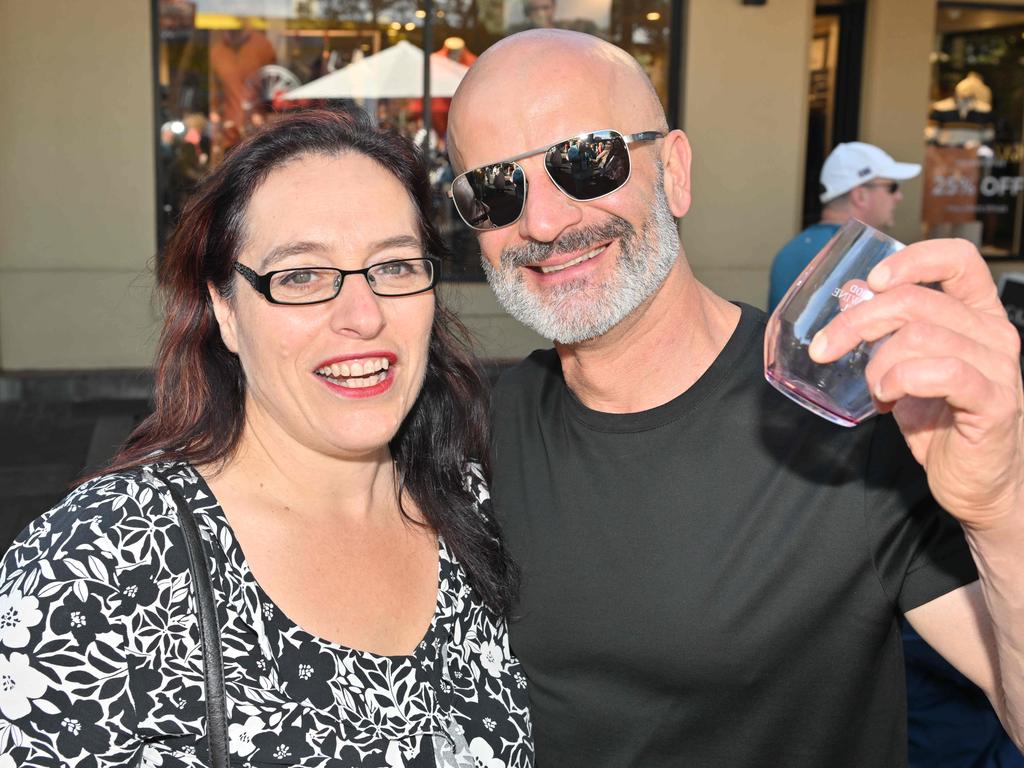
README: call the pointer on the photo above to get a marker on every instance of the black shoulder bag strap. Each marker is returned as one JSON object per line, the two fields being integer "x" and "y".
{"x": 209, "y": 631}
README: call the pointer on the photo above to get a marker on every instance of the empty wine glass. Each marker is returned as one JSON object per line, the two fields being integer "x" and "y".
{"x": 832, "y": 283}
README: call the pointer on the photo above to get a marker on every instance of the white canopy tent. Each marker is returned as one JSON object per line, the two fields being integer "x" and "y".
{"x": 394, "y": 73}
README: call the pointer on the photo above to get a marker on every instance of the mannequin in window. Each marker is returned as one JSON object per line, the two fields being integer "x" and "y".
{"x": 965, "y": 119}
{"x": 235, "y": 58}
{"x": 958, "y": 133}
{"x": 540, "y": 14}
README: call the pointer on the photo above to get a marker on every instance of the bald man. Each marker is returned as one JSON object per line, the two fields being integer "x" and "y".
{"x": 711, "y": 575}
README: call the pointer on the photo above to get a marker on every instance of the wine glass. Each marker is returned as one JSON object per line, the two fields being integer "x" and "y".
{"x": 834, "y": 281}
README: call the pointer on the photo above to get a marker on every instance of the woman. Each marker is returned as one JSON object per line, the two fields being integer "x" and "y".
{"x": 316, "y": 413}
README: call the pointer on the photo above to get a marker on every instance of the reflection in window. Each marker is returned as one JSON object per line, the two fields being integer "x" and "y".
{"x": 973, "y": 182}
{"x": 227, "y": 66}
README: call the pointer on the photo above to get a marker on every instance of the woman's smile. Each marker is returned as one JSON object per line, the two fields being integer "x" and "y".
{"x": 359, "y": 376}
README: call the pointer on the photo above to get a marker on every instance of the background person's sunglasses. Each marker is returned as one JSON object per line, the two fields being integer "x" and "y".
{"x": 892, "y": 186}
{"x": 585, "y": 167}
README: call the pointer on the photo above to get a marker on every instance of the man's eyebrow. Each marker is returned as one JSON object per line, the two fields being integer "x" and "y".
{"x": 280, "y": 252}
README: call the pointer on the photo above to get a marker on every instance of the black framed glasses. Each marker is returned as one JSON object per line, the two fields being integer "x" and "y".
{"x": 892, "y": 186}
{"x": 584, "y": 167}
{"x": 315, "y": 285}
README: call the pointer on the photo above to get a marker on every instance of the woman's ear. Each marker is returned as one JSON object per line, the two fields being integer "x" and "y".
{"x": 225, "y": 314}
{"x": 675, "y": 160}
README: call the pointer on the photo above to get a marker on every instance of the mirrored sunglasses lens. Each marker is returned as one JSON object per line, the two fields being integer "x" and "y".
{"x": 590, "y": 166}
{"x": 491, "y": 196}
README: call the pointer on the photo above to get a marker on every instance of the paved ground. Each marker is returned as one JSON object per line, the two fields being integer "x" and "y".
{"x": 46, "y": 445}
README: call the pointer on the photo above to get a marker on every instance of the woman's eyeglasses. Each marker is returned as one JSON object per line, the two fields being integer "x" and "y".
{"x": 313, "y": 285}
{"x": 584, "y": 167}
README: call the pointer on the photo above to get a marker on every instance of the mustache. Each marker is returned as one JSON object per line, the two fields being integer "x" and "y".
{"x": 616, "y": 228}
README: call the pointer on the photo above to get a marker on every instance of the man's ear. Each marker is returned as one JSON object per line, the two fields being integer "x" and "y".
{"x": 675, "y": 160}
{"x": 859, "y": 198}
{"x": 225, "y": 315}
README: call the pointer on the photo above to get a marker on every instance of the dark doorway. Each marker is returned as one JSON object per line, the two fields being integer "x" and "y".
{"x": 835, "y": 63}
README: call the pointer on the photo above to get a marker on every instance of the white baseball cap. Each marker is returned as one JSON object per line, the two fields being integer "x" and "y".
{"x": 855, "y": 163}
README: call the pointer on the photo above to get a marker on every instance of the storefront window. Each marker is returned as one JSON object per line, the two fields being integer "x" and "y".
{"x": 227, "y": 66}
{"x": 973, "y": 183}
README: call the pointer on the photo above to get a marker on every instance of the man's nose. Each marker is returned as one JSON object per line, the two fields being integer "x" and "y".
{"x": 547, "y": 211}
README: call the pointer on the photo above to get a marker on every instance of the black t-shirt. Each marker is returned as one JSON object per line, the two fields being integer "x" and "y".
{"x": 715, "y": 581}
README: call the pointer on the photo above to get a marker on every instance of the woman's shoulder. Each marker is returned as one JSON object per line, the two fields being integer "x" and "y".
{"x": 101, "y": 511}
{"x": 116, "y": 496}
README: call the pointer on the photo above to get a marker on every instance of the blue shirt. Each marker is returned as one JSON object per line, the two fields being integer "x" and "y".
{"x": 794, "y": 256}
{"x": 951, "y": 723}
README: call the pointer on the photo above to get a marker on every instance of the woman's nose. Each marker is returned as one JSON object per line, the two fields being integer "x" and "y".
{"x": 356, "y": 309}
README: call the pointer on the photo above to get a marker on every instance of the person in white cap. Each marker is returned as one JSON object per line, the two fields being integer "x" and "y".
{"x": 858, "y": 181}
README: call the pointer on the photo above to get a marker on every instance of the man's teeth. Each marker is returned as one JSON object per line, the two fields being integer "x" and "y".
{"x": 356, "y": 374}
{"x": 578, "y": 260}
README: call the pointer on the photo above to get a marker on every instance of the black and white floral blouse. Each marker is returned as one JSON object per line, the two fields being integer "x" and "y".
{"x": 100, "y": 663}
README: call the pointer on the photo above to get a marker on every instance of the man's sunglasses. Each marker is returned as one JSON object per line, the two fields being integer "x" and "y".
{"x": 584, "y": 167}
{"x": 892, "y": 186}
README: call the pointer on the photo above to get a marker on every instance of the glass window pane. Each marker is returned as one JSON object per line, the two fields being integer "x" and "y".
{"x": 228, "y": 66}
{"x": 973, "y": 182}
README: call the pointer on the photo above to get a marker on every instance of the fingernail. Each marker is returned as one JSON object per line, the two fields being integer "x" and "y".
{"x": 879, "y": 276}
{"x": 818, "y": 345}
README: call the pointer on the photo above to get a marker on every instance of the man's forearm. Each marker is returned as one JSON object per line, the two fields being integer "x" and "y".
{"x": 999, "y": 554}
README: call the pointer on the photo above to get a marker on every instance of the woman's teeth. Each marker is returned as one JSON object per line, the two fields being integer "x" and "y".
{"x": 360, "y": 383}
{"x": 578, "y": 260}
{"x": 356, "y": 374}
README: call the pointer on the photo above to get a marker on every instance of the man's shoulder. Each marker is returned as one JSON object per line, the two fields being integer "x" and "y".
{"x": 539, "y": 366}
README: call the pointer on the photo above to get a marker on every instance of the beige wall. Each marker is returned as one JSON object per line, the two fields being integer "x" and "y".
{"x": 77, "y": 210}
{"x": 894, "y": 97}
{"x": 498, "y": 336}
{"x": 746, "y": 116}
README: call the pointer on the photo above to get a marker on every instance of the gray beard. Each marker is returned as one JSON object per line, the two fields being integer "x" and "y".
{"x": 583, "y": 309}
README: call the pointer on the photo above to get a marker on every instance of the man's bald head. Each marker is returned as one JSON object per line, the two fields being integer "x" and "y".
{"x": 542, "y": 73}
{"x": 572, "y": 268}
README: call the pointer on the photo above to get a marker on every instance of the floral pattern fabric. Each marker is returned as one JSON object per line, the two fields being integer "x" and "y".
{"x": 100, "y": 662}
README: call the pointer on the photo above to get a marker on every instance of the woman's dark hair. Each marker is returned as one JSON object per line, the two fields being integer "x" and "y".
{"x": 199, "y": 386}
